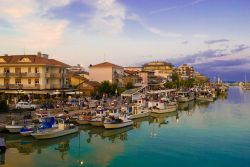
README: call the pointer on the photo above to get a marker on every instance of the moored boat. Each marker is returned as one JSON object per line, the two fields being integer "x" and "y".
{"x": 121, "y": 121}
{"x": 16, "y": 126}
{"x": 62, "y": 130}
{"x": 185, "y": 97}
{"x": 164, "y": 107}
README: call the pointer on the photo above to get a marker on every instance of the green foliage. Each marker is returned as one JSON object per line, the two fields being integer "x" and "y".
{"x": 189, "y": 83}
{"x": 129, "y": 85}
{"x": 3, "y": 106}
{"x": 107, "y": 88}
{"x": 175, "y": 77}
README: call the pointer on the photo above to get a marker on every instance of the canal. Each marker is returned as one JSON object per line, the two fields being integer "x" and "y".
{"x": 198, "y": 134}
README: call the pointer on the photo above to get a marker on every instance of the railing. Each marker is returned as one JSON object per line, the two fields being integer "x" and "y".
{"x": 55, "y": 75}
{"x": 20, "y": 86}
{"x": 19, "y": 75}
{"x": 36, "y": 86}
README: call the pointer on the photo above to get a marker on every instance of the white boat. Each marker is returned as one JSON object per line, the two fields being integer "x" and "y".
{"x": 16, "y": 126}
{"x": 84, "y": 119}
{"x": 98, "y": 119}
{"x": 62, "y": 130}
{"x": 205, "y": 96}
{"x": 113, "y": 123}
{"x": 138, "y": 112}
{"x": 185, "y": 97}
{"x": 164, "y": 107}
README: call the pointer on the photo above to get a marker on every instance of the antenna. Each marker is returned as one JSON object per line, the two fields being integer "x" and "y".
{"x": 104, "y": 57}
{"x": 24, "y": 49}
{"x": 245, "y": 78}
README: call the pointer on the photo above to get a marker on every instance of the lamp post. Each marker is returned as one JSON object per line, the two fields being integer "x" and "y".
{"x": 79, "y": 102}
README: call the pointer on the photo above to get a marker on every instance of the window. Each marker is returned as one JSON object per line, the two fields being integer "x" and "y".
{"x": 59, "y": 70}
{"x": 6, "y": 81}
{"x": 18, "y": 81}
{"x": 17, "y": 70}
{"x": 36, "y": 81}
{"x": 36, "y": 70}
{"x": 29, "y": 81}
{"x": 29, "y": 70}
{"x": 47, "y": 81}
{"x": 6, "y": 70}
{"x": 47, "y": 69}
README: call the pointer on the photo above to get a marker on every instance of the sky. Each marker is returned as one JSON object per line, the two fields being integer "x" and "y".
{"x": 211, "y": 35}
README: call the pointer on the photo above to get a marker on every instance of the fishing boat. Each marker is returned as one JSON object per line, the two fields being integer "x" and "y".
{"x": 84, "y": 119}
{"x": 62, "y": 130}
{"x": 205, "y": 96}
{"x": 113, "y": 122}
{"x": 185, "y": 97}
{"x": 99, "y": 117}
{"x": 46, "y": 123}
{"x": 16, "y": 126}
{"x": 163, "y": 106}
{"x": 138, "y": 112}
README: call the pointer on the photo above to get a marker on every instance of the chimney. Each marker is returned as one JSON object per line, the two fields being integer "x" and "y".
{"x": 39, "y": 54}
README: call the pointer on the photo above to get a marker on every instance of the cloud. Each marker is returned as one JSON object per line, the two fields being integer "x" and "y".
{"x": 107, "y": 17}
{"x": 162, "y": 10}
{"x": 28, "y": 20}
{"x": 185, "y": 42}
{"x": 239, "y": 48}
{"x": 216, "y": 41}
{"x": 200, "y": 36}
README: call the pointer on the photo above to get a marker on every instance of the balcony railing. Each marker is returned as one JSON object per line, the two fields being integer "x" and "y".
{"x": 19, "y": 75}
{"x": 55, "y": 75}
{"x": 20, "y": 87}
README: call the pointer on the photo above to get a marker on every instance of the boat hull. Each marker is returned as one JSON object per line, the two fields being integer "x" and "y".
{"x": 141, "y": 115}
{"x": 82, "y": 122}
{"x": 184, "y": 99}
{"x": 166, "y": 110}
{"x": 205, "y": 99}
{"x": 54, "y": 134}
{"x": 27, "y": 133}
{"x": 117, "y": 125}
{"x": 13, "y": 128}
{"x": 96, "y": 123}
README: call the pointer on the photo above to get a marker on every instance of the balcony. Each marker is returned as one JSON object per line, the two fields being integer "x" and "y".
{"x": 56, "y": 75}
{"x": 20, "y": 87}
{"x": 19, "y": 75}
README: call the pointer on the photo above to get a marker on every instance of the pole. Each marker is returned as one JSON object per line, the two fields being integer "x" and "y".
{"x": 79, "y": 94}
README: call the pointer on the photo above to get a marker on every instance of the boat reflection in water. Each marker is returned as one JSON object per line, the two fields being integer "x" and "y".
{"x": 91, "y": 146}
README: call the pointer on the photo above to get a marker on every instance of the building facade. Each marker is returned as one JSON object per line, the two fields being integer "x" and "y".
{"x": 160, "y": 68}
{"x": 36, "y": 74}
{"x": 106, "y": 72}
{"x": 185, "y": 71}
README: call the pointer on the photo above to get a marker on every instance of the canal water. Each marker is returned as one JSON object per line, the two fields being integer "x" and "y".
{"x": 199, "y": 134}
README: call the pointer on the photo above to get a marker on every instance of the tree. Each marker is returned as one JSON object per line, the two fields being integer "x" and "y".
{"x": 175, "y": 77}
{"x": 129, "y": 85}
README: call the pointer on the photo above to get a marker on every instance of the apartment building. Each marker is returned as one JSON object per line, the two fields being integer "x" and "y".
{"x": 36, "y": 74}
{"x": 160, "y": 68}
{"x": 185, "y": 71}
{"x": 106, "y": 72}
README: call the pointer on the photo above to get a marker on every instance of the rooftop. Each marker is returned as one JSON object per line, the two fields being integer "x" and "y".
{"x": 105, "y": 64}
{"x": 30, "y": 59}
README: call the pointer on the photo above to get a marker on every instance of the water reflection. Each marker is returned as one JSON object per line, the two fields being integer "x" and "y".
{"x": 94, "y": 146}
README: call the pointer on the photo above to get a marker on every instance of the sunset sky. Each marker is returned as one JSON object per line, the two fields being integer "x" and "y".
{"x": 211, "y": 35}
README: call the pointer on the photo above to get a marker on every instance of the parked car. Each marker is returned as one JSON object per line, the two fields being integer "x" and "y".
{"x": 46, "y": 106}
{"x": 25, "y": 105}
